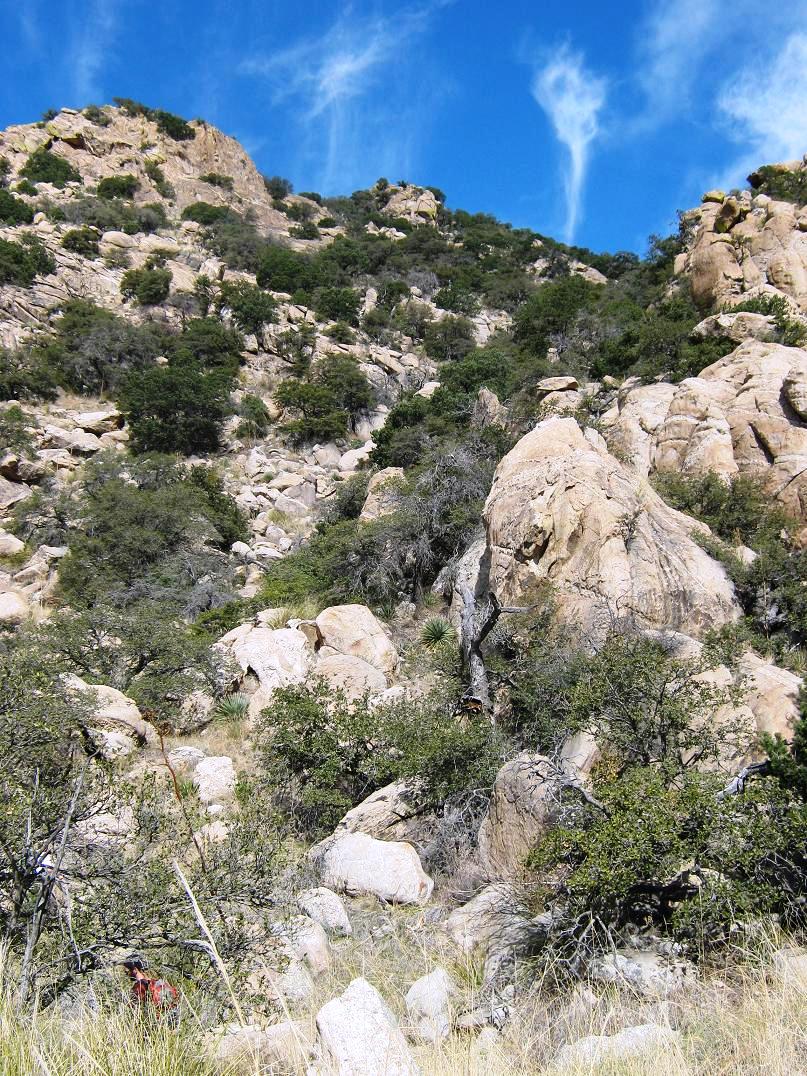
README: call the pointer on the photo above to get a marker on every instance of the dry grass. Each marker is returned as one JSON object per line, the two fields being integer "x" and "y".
{"x": 741, "y": 1020}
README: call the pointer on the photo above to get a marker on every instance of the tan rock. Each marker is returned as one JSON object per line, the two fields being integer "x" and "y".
{"x": 14, "y": 608}
{"x": 354, "y": 630}
{"x": 354, "y": 676}
{"x": 562, "y": 511}
{"x": 525, "y": 794}
{"x": 355, "y": 863}
{"x": 381, "y": 493}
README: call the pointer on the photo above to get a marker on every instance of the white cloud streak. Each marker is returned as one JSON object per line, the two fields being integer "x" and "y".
{"x": 350, "y": 83}
{"x": 572, "y": 98}
{"x": 94, "y": 36}
{"x": 765, "y": 105}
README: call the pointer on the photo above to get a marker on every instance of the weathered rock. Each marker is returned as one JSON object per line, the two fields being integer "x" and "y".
{"x": 277, "y": 657}
{"x": 429, "y": 1003}
{"x": 525, "y": 794}
{"x": 10, "y": 545}
{"x": 361, "y": 1035}
{"x": 392, "y": 813}
{"x": 355, "y": 863}
{"x": 306, "y": 940}
{"x": 563, "y": 511}
{"x": 629, "y": 1043}
{"x": 488, "y": 410}
{"x": 354, "y": 676}
{"x": 115, "y": 712}
{"x": 411, "y": 203}
{"x": 11, "y": 493}
{"x": 214, "y": 778}
{"x": 643, "y": 972}
{"x": 14, "y": 608}
{"x": 381, "y": 493}
{"x": 327, "y": 908}
{"x": 790, "y": 966}
{"x": 287, "y": 1044}
{"x": 356, "y": 631}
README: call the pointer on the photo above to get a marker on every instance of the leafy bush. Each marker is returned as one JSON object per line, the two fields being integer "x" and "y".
{"x": 780, "y": 183}
{"x": 97, "y": 116}
{"x": 208, "y": 342}
{"x": 115, "y": 215}
{"x": 21, "y": 263}
{"x": 282, "y": 269}
{"x": 15, "y": 435}
{"x": 176, "y": 408}
{"x": 337, "y": 304}
{"x": 23, "y": 377}
{"x": 145, "y": 530}
{"x": 121, "y": 186}
{"x": 790, "y": 330}
{"x": 323, "y": 754}
{"x": 149, "y": 287}
{"x": 157, "y": 177}
{"x": 341, "y": 332}
{"x": 90, "y": 350}
{"x": 739, "y": 511}
{"x": 45, "y": 167}
{"x": 307, "y": 230}
{"x": 278, "y": 187}
{"x": 320, "y": 419}
{"x": 449, "y": 338}
{"x": 14, "y": 210}
{"x": 217, "y": 179}
{"x": 250, "y": 307}
{"x": 204, "y": 212}
{"x": 83, "y": 241}
{"x": 5, "y": 170}
{"x": 254, "y": 416}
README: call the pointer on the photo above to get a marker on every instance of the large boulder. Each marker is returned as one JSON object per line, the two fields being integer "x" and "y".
{"x": 214, "y": 778}
{"x": 631, "y": 1042}
{"x": 351, "y": 675}
{"x": 286, "y": 1044}
{"x": 525, "y": 794}
{"x": 392, "y": 813}
{"x": 564, "y": 512}
{"x": 117, "y": 723}
{"x": 326, "y": 908}
{"x": 643, "y": 972}
{"x": 355, "y": 631}
{"x": 355, "y": 863}
{"x": 744, "y": 414}
{"x": 361, "y": 1035}
{"x": 14, "y": 608}
{"x": 381, "y": 494}
{"x": 429, "y": 1004}
{"x": 277, "y": 657}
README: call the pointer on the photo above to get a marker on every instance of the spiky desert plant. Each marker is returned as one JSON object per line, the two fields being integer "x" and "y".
{"x": 232, "y": 707}
{"x": 437, "y": 630}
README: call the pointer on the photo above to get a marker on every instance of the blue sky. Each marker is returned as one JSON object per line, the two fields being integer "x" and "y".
{"x": 585, "y": 120}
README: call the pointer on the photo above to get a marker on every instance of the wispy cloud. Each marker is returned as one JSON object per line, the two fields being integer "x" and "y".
{"x": 352, "y": 90}
{"x": 94, "y": 35}
{"x": 673, "y": 41}
{"x": 572, "y": 98}
{"x": 765, "y": 105}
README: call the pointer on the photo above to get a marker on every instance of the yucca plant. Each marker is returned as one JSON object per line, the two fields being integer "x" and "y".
{"x": 437, "y": 630}
{"x": 232, "y": 707}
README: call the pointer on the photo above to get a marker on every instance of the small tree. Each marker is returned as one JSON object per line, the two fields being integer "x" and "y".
{"x": 176, "y": 408}
{"x": 149, "y": 287}
{"x": 46, "y": 167}
{"x": 251, "y": 308}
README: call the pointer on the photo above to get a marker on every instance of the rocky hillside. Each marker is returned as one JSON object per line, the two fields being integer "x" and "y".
{"x": 402, "y": 616}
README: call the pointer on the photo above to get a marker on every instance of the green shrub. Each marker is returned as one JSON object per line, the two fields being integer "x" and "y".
{"x": 254, "y": 416}
{"x": 278, "y": 187}
{"x": 449, "y": 338}
{"x": 14, "y": 430}
{"x": 327, "y": 222}
{"x": 204, "y": 212}
{"x": 217, "y": 179}
{"x": 250, "y": 307}
{"x": 739, "y": 511}
{"x": 307, "y": 230}
{"x": 97, "y": 116}
{"x": 208, "y": 342}
{"x": 5, "y": 170}
{"x": 790, "y": 330}
{"x": 113, "y": 214}
{"x": 45, "y": 167}
{"x": 337, "y": 304}
{"x": 173, "y": 126}
{"x": 157, "y": 177}
{"x": 320, "y": 419}
{"x": 120, "y": 186}
{"x": 236, "y": 240}
{"x": 437, "y": 631}
{"x": 780, "y": 183}
{"x": 14, "y": 210}
{"x": 90, "y": 350}
{"x": 131, "y": 107}
{"x": 341, "y": 332}
{"x": 324, "y": 754}
{"x": 149, "y": 287}
{"x": 24, "y": 377}
{"x": 21, "y": 263}
{"x": 175, "y": 408}
{"x": 83, "y": 241}
{"x": 25, "y": 187}
{"x": 282, "y": 269}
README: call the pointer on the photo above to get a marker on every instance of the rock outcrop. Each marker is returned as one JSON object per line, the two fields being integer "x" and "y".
{"x": 355, "y": 863}
{"x": 361, "y": 1035}
{"x": 562, "y": 512}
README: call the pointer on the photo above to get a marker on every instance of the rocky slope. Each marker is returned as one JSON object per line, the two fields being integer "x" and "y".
{"x": 570, "y": 518}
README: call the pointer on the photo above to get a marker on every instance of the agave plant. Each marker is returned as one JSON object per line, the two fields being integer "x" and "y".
{"x": 232, "y": 707}
{"x": 435, "y": 631}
